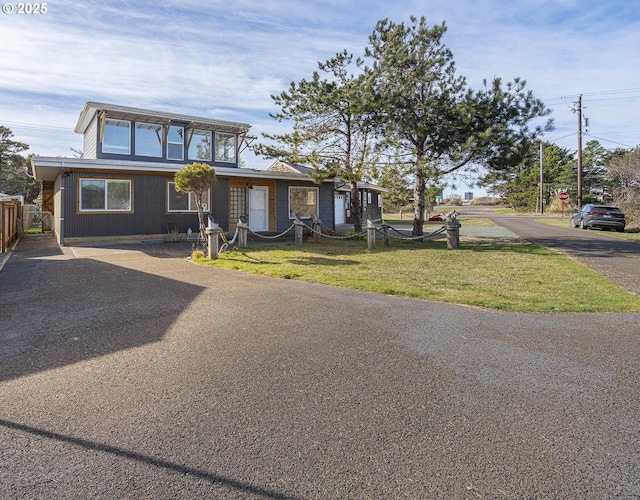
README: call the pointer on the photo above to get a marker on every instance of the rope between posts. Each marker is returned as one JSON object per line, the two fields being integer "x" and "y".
{"x": 226, "y": 243}
{"x": 272, "y": 237}
{"x": 409, "y": 238}
{"x": 359, "y": 235}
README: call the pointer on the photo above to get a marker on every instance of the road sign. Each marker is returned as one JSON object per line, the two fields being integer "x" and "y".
{"x": 563, "y": 196}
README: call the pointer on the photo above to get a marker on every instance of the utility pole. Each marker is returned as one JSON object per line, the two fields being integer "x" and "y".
{"x": 579, "y": 110}
{"x": 541, "y": 181}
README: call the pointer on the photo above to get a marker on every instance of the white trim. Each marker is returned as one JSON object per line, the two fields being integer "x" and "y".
{"x": 252, "y": 224}
{"x": 174, "y": 143}
{"x": 206, "y": 207}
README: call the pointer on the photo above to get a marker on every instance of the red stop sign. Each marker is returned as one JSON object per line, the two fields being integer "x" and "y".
{"x": 563, "y": 195}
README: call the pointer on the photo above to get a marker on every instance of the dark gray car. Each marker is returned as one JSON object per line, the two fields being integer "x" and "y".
{"x": 601, "y": 216}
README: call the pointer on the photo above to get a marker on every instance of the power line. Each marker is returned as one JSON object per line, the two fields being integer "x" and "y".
{"x": 563, "y": 98}
{"x": 34, "y": 126}
{"x": 607, "y": 140}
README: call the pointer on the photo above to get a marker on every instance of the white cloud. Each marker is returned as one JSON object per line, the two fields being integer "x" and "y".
{"x": 225, "y": 59}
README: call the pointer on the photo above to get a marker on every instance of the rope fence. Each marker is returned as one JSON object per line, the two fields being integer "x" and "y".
{"x": 215, "y": 234}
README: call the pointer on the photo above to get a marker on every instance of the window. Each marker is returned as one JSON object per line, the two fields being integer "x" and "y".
{"x": 105, "y": 195}
{"x": 303, "y": 202}
{"x": 225, "y": 147}
{"x": 175, "y": 143}
{"x": 200, "y": 146}
{"x": 238, "y": 204}
{"x": 185, "y": 202}
{"x": 116, "y": 137}
{"x": 148, "y": 139}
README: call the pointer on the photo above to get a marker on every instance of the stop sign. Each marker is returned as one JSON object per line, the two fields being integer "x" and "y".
{"x": 563, "y": 195}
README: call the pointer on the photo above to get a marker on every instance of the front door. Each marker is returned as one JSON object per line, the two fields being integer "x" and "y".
{"x": 339, "y": 209}
{"x": 259, "y": 208}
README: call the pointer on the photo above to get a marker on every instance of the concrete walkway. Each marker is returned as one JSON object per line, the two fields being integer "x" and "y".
{"x": 132, "y": 373}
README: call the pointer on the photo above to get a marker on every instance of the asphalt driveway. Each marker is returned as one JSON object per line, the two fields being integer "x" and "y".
{"x": 132, "y": 373}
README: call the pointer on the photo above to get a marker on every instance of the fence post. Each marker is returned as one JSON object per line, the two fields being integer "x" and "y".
{"x": 385, "y": 234}
{"x": 242, "y": 232}
{"x": 213, "y": 234}
{"x": 371, "y": 234}
{"x": 452, "y": 225}
{"x": 317, "y": 229}
{"x": 299, "y": 230}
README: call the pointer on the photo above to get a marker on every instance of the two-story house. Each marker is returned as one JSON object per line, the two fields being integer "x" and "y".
{"x": 122, "y": 187}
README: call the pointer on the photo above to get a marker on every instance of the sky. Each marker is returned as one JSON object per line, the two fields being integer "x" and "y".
{"x": 225, "y": 60}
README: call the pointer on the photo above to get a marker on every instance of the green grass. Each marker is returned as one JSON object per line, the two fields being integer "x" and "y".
{"x": 630, "y": 234}
{"x": 507, "y": 277}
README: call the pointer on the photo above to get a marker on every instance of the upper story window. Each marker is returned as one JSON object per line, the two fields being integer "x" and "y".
{"x": 148, "y": 139}
{"x": 200, "y": 146}
{"x": 175, "y": 143}
{"x": 225, "y": 147}
{"x": 116, "y": 137}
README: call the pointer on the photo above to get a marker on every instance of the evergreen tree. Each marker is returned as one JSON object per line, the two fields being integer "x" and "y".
{"x": 196, "y": 178}
{"x": 428, "y": 113}
{"x": 14, "y": 178}
{"x": 331, "y": 129}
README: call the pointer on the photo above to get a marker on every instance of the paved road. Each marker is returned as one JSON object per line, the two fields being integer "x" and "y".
{"x": 133, "y": 373}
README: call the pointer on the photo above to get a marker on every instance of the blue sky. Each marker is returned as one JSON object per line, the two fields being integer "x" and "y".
{"x": 224, "y": 59}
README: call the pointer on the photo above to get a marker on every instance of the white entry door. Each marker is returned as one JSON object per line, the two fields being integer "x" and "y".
{"x": 339, "y": 209}
{"x": 259, "y": 208}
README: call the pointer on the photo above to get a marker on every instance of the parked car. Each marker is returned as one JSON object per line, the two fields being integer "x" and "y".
{"x": 601, "y": 216}
{"x": 438, "y": 218}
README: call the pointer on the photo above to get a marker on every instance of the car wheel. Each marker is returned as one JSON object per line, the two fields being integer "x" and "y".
{"x": 572, "y": 223}
{"x": 620, "y": 230}
{"x": 582, "y": 226}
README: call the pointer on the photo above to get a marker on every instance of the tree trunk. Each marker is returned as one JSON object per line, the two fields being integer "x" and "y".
{"x": 356, "y": 213}
{"x": 418, "y": 204}
{"x": 202, "y": 226}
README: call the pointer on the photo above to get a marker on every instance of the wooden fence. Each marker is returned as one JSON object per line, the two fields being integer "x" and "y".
{"x": 9, "y": 214}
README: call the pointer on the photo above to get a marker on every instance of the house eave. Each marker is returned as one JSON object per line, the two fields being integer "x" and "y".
{"x": 48, "y": 168}
{"x": 145, "y": 115}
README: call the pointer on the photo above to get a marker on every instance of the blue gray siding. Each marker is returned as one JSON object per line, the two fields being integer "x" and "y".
{"x": 326, "y": 207}
{"x": 149, "y": 215}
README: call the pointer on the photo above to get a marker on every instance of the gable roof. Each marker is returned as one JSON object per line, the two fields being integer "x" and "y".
{"x": 280, "y": 166}
{"x": 150, "y": 116}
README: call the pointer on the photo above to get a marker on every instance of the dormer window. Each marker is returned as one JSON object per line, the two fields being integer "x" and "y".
{"x": 225, "y": 147}
{"x": 175, "y": 143}
{"x": 116, "y": 137}
{"x": 148, "y": 140}
{"x": 200, "y": 146}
